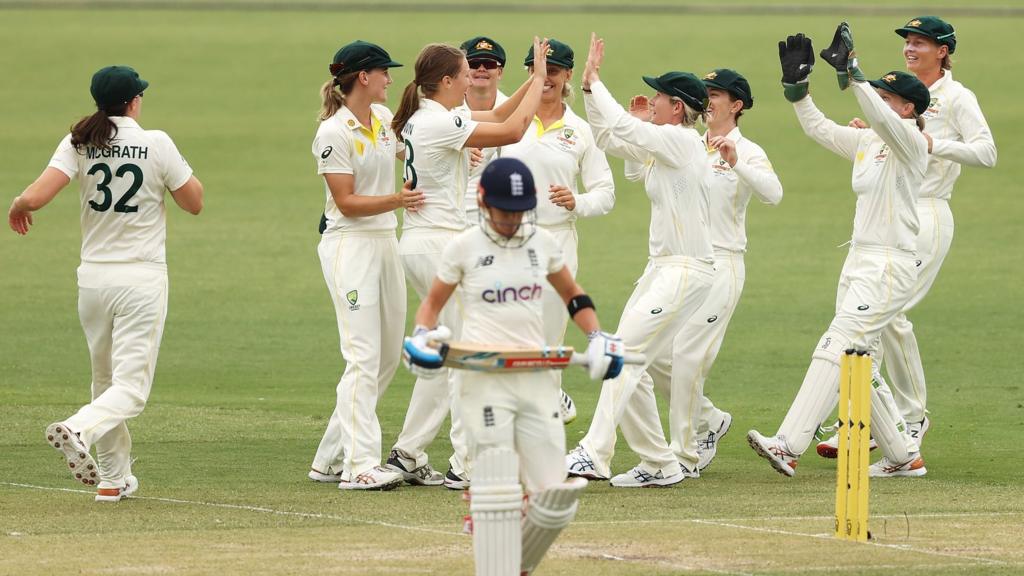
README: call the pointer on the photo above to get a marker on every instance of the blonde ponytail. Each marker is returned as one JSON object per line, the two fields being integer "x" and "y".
{"x": 332, "y": 94}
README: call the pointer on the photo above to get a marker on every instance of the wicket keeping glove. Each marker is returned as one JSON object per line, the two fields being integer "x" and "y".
{"x": 419, "y": 356}
{"x": 841, "y": 55}
{"x": 604, "y": 356}
{"x": 797, "y": 58}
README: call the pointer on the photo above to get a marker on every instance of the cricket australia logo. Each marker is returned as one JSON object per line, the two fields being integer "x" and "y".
{"x": 933, "y": 109}
{"x": 353, "y": 299}
{"x": 883, "y": 154}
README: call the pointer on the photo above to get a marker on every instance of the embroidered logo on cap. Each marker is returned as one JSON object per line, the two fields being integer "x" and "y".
{"x": 711, "y": 75}
{"x": 889, "y": 78}
{"x": 914, "y": 24}
{"x": 484, "y": 45}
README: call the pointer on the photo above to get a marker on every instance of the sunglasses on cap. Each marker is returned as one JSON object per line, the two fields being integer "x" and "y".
{"x": 485, "y": 62}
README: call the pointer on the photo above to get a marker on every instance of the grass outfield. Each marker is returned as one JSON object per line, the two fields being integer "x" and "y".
{"x": 249, "y": 358}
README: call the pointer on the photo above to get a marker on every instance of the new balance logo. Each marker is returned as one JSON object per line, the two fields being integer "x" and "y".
{"x": 484, "y": 261}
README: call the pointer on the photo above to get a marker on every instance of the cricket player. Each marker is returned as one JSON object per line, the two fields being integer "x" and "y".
{"x": 437, "y": 131}
{"x": 958, "y": 135}
{"x": 559, "y": 147}
{"x": 740, "y": 170}
{"x": 661, "y": 137}
{"x": 123, "y": 172}
{"x": 355, "y": 151}
{"x": 487, "y": 67}
{"x": 889, "y": 163}
{"x": 515, "y": 434}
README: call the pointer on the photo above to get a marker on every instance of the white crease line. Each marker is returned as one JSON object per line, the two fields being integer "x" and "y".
{"x": 251, "y": 509}
{"x": 822, "y": 517}
{"x": 907, "y": 548}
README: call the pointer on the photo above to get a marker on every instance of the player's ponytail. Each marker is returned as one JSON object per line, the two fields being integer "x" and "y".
{"x": 432, "y": 65}
{"x": 97, "y": 130}
{"x": 333, "y": 92}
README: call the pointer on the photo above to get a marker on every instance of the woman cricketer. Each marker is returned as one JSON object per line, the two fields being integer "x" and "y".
{"x": 438, "y": 131}
{"x": 123, "y": 172}
{"x": 889, "y": 164}
{"x": 355, "y": 151}
{"x": 560, "y": 150}
{"x": 513, "y": 428}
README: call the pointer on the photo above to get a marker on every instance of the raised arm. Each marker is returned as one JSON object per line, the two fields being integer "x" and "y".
{"x": 511, "y": 129}
{"x": 978, "y": 148}
{"x": 902, "y": 137}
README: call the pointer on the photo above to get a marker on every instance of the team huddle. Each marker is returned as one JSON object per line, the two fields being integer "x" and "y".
{"x": 490, "y": 198}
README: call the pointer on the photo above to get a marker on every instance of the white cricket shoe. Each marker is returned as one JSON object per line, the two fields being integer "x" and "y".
{"x": 707, "y": 446}
{"x": 640, "y": 478}
{"x": 75, "y": 452}
{"x": 774, "y": 450}
{"x": 423, "y": 476}
{"x": 909, "y": 469}
{"x": 579, "y": 464}
{"x": 567, "y": 409}
{"x": 112, "y": 493}
{"x": 453, "y": 481}
{"x": 917, "y": 430}
{"x": 376, "y": 478}
{"x": 318, "y": 476}
{"x": 829, "y": 448}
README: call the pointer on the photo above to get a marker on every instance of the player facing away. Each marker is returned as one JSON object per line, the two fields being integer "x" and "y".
{"x": 958, "y": 135}
{"x": 123, "y": 172}
{"x": 486, "y": 60}
{"x": 740, "y": 170}
{"x": 355, "y": 151}
{"x": 877, "y": 279}
{"x": 438, "y": 130}
{"x": 678, "y": 278}
{"x": 513, "y": 426}
{"x": 559, "y": 147}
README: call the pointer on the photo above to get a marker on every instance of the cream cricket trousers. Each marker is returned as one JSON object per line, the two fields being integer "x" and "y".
{"x": 365, "y": 279}
{"x": 669, "y": 293}
{"x": 874, "y": 286}
{"x": 122, "y": 308}
{"x": 902, "y": 357}
{"x": 517, "y": 411}
{"x": 679, "y": 372}
{"x": 556, "y": 315}
{"x": 433, "y": 397}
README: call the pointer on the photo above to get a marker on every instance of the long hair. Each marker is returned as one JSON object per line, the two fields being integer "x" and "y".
{"x": 98, "y": 129}
{"x": 434, "y": 63}
{"x": 333, "y": 92}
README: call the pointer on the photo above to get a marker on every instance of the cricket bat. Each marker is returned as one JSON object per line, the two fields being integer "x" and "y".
{"x": 508, "y": 359}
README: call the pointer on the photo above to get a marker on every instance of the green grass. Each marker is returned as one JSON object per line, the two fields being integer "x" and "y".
{"x": 249, "y": 359}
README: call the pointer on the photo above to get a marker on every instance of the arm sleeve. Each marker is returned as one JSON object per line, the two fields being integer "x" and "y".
{"x": 659, "y": 141}
{"x": 841, "y": 140}
{"x": 605, "y": 139}
{"x": 756, "y": 173}
{"x": 334, "y": 152}
{"x": 597, "y": 181}
{"x": 176, "y": 168}
{"x": 978, "y": 148}
{"x": 903, "y": 138}
{"x": 450, "y": 269}
{"x": 634, "y": 171}
{"x": 65, "y": 158}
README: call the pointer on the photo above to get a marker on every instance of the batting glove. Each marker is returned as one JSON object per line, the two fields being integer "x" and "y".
{"x": 604, "y": 356}
{"x": 419, "y": 355}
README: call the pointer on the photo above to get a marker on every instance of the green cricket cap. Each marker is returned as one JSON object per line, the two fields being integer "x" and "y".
{"x": 483, "y": 47}
{"x": 358, "y": 56}
{"x": 907, "y": 86}
{"x": 682, "y": 85}
{"x": 933, "y": 27}
{"x": 559, "y": 54}
{"x": 732, "y": 82}
{"x": 116, "y": 85}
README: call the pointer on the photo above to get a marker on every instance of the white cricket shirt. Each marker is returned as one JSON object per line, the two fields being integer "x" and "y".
{"x": 122, "y": 189}
{"x": 561, "y": 154}
{"x": 889, "y": 163}
{"x": 501, "y": 287}
{"x": 438, "y": 164}
{"x": 960, "y": 135}
{"x": 344, "y": 146}
{"x": 476, "y": 171}
{"x": 675, "y": 172}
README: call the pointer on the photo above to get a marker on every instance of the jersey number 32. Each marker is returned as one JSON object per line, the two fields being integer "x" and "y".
{"x": 108, "y": 195}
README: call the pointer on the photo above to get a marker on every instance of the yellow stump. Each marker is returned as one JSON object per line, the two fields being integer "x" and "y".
{"x": 854, "y": 446}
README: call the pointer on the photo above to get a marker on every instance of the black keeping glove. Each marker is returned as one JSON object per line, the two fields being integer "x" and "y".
{"x": 797, "y": 58}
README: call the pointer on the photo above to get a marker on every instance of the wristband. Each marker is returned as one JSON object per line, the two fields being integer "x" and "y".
{"x": 578, "y": 303}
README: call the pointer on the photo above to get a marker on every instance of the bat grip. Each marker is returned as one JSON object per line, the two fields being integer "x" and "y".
{"x": 627, "y": 358}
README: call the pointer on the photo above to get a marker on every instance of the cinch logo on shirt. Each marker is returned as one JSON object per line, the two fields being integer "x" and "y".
{"x": 499, "y": 295}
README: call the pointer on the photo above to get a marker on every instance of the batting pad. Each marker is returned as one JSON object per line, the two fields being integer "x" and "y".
{"x": 547, "y": 515}
{"x": 496, "y": 504}
{"x": 886, "y": 429}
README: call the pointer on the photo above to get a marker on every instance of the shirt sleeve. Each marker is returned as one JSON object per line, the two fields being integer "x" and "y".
{"x": 605, "y": 140}
{"x": 978, "y": 148}
{"x": 756, "y": 173}
{"x": 663, "y": 142}
{"x": 634, "y": 171}
{"x": 597, "y": 181}
{"x": 334, "y": 152}
{"x": 176, "y": 169}
{"x": 65, "y": 158}
{"x": 452, "y": 131}
{"x": 841, "y": 140}
{"x": 451, "y": 270}
{"x": 903, "y": 138}
{"x": 556, "y": 258}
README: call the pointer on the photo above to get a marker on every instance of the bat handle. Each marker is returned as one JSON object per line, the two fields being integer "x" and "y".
{"x": 579, "y": 359}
